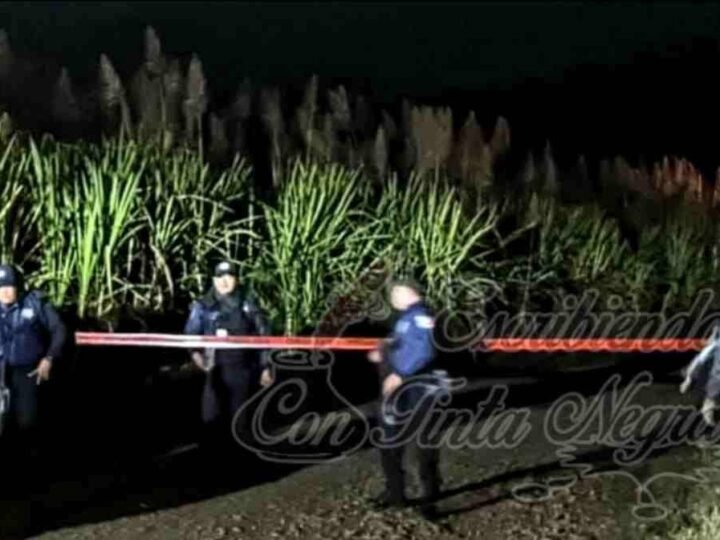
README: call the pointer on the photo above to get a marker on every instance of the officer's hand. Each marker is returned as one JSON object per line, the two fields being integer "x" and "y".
{"x": 266, "y": 378}
{"x": 685, "y": 386}
{"x": 42, "y": 372}
{"x": 391, "y": 383}
{"x": 374, "y": 356}
{"x": 708, "y": 408}
{"x": 199, "y": 360}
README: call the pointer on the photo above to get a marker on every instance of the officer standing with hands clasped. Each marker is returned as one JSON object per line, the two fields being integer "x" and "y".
{"x": 232, "y": 374}
{"x": 408, "y": 379}
{"x": 32, "y": 336}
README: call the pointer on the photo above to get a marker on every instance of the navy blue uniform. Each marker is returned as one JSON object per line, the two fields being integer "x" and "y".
{"x": 410, "y": 353}
{"x": 30, "y": 330}
{"x": 235, "y": 372}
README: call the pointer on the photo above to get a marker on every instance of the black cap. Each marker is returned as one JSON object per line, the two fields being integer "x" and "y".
{"x": 9, "y": 277}
{"x": 224, "y": 268}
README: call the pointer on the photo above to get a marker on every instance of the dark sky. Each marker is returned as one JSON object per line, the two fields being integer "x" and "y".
{"x": 411, "y": 47}
{"x": 642, "y": 76}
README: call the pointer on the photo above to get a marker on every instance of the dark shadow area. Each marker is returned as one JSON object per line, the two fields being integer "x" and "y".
{"x": 600, "y": 459}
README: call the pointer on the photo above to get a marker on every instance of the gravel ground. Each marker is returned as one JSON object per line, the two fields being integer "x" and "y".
{"x": 331, "y": 500}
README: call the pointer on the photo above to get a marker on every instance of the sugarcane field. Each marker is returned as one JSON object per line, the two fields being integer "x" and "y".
{"x": 359, "y": 270}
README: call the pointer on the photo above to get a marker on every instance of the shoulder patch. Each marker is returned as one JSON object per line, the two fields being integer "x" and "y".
{"x": 424, "y": 321}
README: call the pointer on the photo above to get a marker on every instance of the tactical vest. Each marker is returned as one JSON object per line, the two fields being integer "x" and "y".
{"x": 23, "y": 332}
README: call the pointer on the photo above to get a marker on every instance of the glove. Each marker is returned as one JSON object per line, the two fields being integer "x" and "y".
{"x": 685, "y": 385}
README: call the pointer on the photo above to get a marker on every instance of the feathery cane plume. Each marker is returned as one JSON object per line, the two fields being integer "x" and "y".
{"x": 467, "y": 151}
{"x": 305, "y": 114}
{"x": 154, "y": 61}
{"x": 173, "y": 92}
{"x": 500, "y": 142}
{"x": 6, "y": 55}
{"x": 112, "y": 95}
{"x": 242, "y": 105}
{"x": 147, "y": 99}
{"x": 271, "y": 111}
{"x": 549, "y": 172}
{"x": 219, "y": 144}
{"x": 432, "y": 135}
{"x": 528, "y": 175}
{"x": 485, "y": 173}
{"x": 380, "y": 154}
{"x": 443, "y": 136}
{"x": 111, "y": 90}
{"x": 328, "y": 146}
{"x": 195, "y": 101}
{"x": 582, "y": 178}
{"x": 340, "y": 108}
{"x": 64, "y": 104}
{"x": 6, "y": 127}
{"x": 272, "y": 120}
{"x": 389, "y": 126}
{"x": 240, "y": 112}
{"x": 419, "y": 127}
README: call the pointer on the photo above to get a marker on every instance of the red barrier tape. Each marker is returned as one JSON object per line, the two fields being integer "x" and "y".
{"x": 229, "y": 342}
{"x": 509, "y": 345}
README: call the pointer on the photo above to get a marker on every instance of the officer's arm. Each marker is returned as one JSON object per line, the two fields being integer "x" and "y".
{"x": 194, "y": 324}
{"x": 712, "y": 387}
{"x": 57, "y": 330}
{"x": 700, "y": 360}
{"x": 256, "y": 315}
{"x": 415, "y": 350}
{"x": 262, "y": 327}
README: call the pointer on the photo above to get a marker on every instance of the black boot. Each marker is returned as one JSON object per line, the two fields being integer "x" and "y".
{"x": 389, "y": 499}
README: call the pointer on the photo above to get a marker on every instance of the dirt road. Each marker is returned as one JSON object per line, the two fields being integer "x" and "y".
{"x": 523, "y": 491}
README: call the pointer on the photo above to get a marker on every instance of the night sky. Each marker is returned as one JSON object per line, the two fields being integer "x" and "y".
{"x": 596, "y": 77}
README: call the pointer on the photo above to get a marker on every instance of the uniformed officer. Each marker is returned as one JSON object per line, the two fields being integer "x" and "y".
{"x": 232, "y": 374}
{"x": 704, "y": 372}
{"x": 32, "y": 336}
{"x": 406, "y": 361}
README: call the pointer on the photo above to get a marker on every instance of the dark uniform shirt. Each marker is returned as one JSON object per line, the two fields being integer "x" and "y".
{"x": 236, "y": 314}
{"x": 30, "y": 330}
{"x": 411, "y": 349}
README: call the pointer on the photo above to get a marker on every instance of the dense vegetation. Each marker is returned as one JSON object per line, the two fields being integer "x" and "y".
{"x": 122, "y": 224}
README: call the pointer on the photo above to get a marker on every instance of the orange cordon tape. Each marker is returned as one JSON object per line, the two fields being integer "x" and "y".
{"x": 592, "y": 345}
{"x": 229, "y": 342}
{"x": 365, "y": 344}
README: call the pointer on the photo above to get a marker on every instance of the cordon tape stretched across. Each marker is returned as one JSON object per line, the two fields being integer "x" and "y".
{"x": 508, "y": 345}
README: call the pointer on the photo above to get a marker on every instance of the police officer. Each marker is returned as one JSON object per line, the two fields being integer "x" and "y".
{"x": 32, "y": 336}
{"x": 406, "y": 362}
{"x": 232, "y": 374}
{"x": 704, "y": 372}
